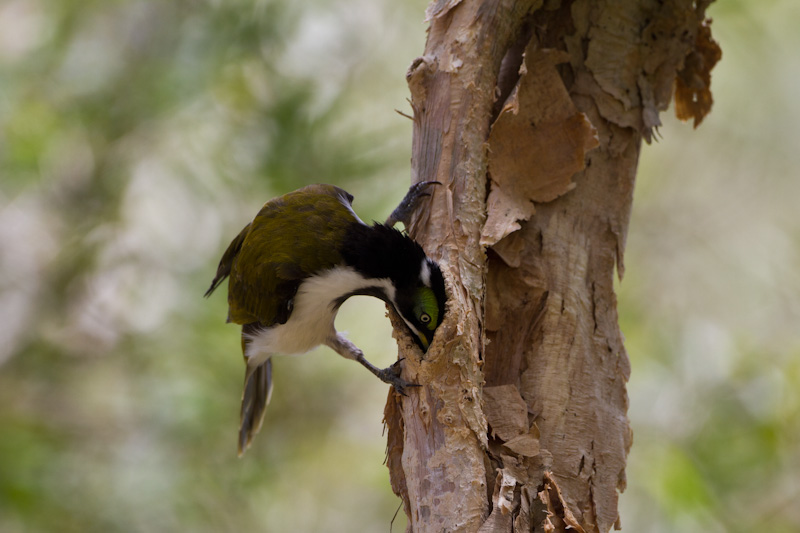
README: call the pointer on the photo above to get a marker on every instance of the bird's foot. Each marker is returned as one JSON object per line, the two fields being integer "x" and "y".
{"x": 415, "y": 193}
{"x": 391, "y": 375}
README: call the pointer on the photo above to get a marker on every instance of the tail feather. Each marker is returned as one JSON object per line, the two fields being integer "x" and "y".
{"x": 256, "y": 396}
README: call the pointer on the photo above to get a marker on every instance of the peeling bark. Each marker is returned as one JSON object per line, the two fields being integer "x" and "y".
{"x": 520, "y": 423}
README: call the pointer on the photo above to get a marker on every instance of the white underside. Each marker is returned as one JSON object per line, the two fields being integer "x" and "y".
{"x": 311, "y": 322}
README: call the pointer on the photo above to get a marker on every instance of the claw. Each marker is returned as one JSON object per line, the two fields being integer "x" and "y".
{"x": 400, "y": 385}
{"x": 391, "y": 375}
{"x": 410, "y": 203}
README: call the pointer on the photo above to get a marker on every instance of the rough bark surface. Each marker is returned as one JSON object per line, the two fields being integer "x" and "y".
{"x": 531, "y": 115}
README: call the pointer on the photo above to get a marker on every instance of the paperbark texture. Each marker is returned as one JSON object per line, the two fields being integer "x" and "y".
{"x": 531, "y": 115}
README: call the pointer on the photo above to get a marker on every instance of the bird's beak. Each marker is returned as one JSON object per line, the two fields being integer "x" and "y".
{"x": 424, "y": 341}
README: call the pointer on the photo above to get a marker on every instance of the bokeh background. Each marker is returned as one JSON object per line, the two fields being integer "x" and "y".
{"x": 137, "y": 138}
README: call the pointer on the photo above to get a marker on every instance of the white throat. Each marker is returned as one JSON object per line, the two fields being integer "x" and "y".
{"x": 311, "y": 322}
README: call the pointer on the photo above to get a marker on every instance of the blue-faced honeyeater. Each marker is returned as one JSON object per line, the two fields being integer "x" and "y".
{"x": 294, "y": 265}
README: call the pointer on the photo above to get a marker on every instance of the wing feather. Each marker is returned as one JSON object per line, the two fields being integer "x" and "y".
{"x": 292, "y": 238}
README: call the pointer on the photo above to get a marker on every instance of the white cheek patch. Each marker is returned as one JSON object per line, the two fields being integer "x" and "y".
{"x": 425, "y": 273}
{"x": 349, "y": 207}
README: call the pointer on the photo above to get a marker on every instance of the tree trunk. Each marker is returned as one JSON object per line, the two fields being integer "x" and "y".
{"x": 531, "y": 115}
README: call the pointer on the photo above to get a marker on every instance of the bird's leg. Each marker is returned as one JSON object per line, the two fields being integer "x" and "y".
{"x": 403, "y": 212}
{"x": 391, "y": 375}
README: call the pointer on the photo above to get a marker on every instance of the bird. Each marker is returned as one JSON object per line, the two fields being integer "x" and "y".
{"x": 292, "y": 267}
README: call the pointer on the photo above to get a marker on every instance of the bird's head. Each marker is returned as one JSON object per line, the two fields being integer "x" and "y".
{"x": 422, "y": 304}
{"x": 417, "y": 285}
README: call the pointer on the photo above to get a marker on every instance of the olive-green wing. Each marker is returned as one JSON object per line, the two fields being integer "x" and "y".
{"x": 293, "y": 237}
{"x": 226, "y": 263}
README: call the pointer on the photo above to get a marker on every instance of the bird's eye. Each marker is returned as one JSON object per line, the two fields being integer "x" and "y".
{"x": 424, "y": 318}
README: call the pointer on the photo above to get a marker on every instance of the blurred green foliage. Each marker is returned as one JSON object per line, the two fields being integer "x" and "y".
{"x": 710, "y": 301}
{"x": 137, "y": 137}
